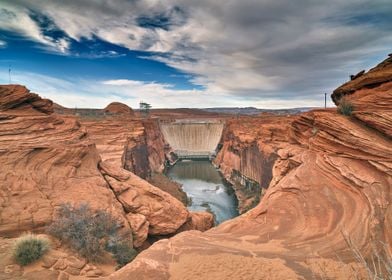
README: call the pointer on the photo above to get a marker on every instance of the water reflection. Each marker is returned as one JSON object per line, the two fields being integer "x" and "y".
{"x": 205, "y": 187}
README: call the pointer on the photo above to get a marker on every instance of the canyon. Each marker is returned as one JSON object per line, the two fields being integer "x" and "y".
{"x": 312, "y": 187}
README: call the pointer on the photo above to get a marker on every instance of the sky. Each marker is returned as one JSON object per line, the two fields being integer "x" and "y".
{"x": 191, "y": 53}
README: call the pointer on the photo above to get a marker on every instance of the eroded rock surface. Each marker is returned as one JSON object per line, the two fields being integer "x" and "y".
{"x": 45, "y": 160}
{"x": 329, "y": 180}
{"x": 164, "y": 213}
{"x": 48, "y": 159}
{"x": 371, "y": 96}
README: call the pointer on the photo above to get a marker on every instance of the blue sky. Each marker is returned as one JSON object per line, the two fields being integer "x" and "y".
{"x": 183, "y": 53}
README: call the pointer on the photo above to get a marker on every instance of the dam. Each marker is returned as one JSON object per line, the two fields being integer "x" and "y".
{"x": 195, "y": 142}
{"x": 193, "y": 138}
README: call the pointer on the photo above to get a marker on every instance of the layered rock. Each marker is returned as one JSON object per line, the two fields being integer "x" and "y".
{"x": 248, "y": 153}
{"x": 45, "y": 160}
{"x": 329, "y": 196}
{"x": 371, "y": 96}
{"x": 48, "y": 159}
{"x": 164, "y": 213}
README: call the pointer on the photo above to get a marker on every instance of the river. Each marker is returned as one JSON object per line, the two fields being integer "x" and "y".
{"x": 206, "y": 188}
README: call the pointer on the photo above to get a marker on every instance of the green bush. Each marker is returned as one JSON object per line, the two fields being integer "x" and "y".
{"x": 345, "y": 107}
{"x": 29, "y": 248}
{"x": 89, "y": 232}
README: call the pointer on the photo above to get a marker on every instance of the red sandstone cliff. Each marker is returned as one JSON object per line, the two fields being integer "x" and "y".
{"x": 48, "y": 159}
{"x": 331, "y": 180}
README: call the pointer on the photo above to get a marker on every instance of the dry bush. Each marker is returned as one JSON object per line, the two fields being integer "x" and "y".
{"x": 90, "y": 233}
{"x": 29, "y": 248}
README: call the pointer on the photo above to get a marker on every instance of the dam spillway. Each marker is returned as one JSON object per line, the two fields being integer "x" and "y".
{"x": 193, "y": 138}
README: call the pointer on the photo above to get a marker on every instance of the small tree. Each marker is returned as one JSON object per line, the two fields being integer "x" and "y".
{"x": 144, "y": 108}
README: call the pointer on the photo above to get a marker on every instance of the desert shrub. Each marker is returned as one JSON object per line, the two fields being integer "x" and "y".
{"x": 345, "y": 107}
{"x": 122, "y": 251}
{"x": 88, "y": 232}
{"x": 29, "y": 248}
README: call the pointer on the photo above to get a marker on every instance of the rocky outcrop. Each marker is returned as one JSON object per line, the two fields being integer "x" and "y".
{"x": 48, "y": 159}
{"x": 45, "y": 160}
{"x": 146, "y": 151}
{"x": 117, "y": 108}
{"x": 371, "y": 96}
{"x": 329, "y": 195}
{"x": 111, "y": 137}
{"x": 18, "y": 97}
{"x": 164, "y": 213}
{"x": 201, "y": 221}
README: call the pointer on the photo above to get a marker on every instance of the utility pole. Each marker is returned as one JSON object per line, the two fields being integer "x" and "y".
{"x": 325, "y": 100}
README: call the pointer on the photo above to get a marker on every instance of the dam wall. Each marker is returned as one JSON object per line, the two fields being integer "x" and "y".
{"x": 193, "y": 139}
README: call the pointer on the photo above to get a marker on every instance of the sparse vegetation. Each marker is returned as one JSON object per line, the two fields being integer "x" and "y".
{"x": 29, "y": 248}
{"x": 122, "y": 252}
{"x": 345, "y": 107}
{"x": 91, "y": 233}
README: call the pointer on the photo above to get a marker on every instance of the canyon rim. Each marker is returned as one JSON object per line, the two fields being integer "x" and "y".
{"x": 144, "y": 155}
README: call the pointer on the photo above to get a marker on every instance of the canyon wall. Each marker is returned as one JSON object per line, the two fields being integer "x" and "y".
{"x": 49, "y": 159}
{"x": 248, "y": 153}
{"x": 45, "y": 160}
{"x": 328, "y": 199}
{"x": 193, "y": 138}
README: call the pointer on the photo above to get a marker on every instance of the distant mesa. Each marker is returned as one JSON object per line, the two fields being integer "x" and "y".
{"x": 118, "y": 108}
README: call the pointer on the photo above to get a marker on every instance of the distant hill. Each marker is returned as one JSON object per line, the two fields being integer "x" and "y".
{"x": 256, "y": 111}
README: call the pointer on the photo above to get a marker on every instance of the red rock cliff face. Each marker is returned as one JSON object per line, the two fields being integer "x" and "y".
{"x": 248, "y": 153}
{"x": 48, "y": 159}
{"x": 146, "y": 151}
{"x": 371, "y": 96}
{"x": 331, "y": 181}
{"x": 45, "y": 160}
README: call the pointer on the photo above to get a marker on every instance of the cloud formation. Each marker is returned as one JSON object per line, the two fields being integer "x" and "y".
{"x": 252, "y": 51}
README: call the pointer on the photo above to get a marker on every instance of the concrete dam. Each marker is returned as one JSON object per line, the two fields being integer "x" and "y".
{"x": 193, "y": 138}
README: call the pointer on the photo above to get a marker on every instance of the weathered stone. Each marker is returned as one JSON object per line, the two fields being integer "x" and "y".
{"x": 139, "y": 226}
{"x": 75, "y": 262}
{"x": 48, "y": 261}
{"x": 72, "y": 270}
{"x": 164, "y": 213}
{"x": 61, "y": 264}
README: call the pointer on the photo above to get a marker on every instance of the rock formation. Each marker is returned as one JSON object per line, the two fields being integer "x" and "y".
{"x": 328, "y": 180}
{"x": 117, "y": 108}
{"x": 48, "y": 159}
{"x": 373, "y": 98}
{"x": 45, "y": 160}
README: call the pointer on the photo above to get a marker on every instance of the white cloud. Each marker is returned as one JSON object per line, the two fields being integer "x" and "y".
{"x": 98, "y": 94}
{"x": 260, "y": 50}
{"x": 18, "y": 20}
